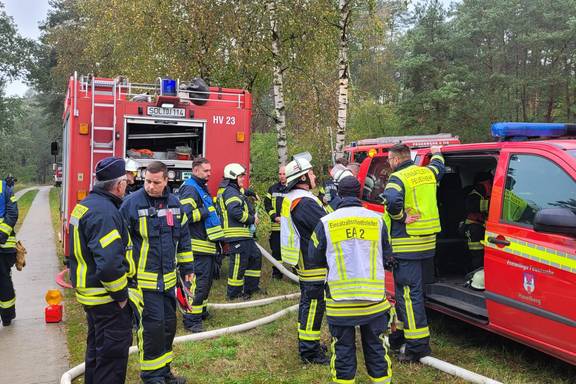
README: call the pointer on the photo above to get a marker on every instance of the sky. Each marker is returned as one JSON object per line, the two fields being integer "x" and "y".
{"x": 27, "y": 15}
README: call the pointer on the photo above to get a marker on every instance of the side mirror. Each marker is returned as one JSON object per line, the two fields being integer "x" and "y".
{"x": 556, "y": 220}
{"x": 54, "y": 148}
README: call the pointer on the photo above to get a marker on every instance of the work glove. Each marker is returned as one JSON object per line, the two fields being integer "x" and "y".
{"x": 391, "y": 263}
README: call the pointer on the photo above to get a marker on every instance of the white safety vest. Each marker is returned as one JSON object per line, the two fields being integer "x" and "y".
{"x": 289, "y": 236}
{"x": 354, "y": 254}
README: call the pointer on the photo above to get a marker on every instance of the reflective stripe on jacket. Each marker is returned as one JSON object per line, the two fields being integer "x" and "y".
{"x": 197, "y": 212}
{"x": 101, "y": 260}
{"x": 8, "y": 218}
{"x": 289, "y": 236}
{"x": 161, "y": 239}
{"x": 273, "y": 204}
{"x": 234, "y": 212}
{"x": 412, "y": 190}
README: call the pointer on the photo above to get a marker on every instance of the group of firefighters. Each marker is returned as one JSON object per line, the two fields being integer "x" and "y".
{"x": 129, "y": 253}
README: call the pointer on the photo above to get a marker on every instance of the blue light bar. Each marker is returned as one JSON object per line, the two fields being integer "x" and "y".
{"x": 509, "y": 130}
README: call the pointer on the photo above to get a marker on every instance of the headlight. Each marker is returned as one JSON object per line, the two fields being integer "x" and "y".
{"x": 171, "y": 175}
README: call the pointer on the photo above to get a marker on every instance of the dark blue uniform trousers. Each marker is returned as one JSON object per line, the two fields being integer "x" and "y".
{"x": 203, "y": 270}
{"x": 343, "y": 363}
{"x": 410, "y": 307}
{"x": 310, "y": 312}
{"x": 7, "y": 296}
{"x": 244, "y": 269}
{"x": 108, "y": 341}
{"x": 156, "y": 331}
{"x": 275, "y": 248}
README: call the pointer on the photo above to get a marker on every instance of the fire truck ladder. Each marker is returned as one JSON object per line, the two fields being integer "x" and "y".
{"x": 103, "y": 88}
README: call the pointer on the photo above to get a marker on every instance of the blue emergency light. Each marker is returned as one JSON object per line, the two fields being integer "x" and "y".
{"x": 168, "y": 87}
{"x": 519, "y": 131}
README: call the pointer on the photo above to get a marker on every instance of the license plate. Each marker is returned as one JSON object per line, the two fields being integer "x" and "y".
{"x": 166, "y": 112}
{"x": 186, "y": 175}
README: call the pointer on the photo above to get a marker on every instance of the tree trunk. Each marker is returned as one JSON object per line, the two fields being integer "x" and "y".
{"x": 343, "y": 77}
{"x": 278, "y": 87}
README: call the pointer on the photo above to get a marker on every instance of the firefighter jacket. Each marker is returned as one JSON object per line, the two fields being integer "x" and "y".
{"x": 352, "y": 242}
{"x": 478, "y": 202}
{"x": 197, "y": 204}
{"x": 411, "y": 189}
{"x": 273, "y": 204}
{"x": 8, "y": 219}
{"x": 301, "y": 212}
{"x": 159, "y": 230}
{"x": 101, "y": 263}
{"x": 234, "y": 211}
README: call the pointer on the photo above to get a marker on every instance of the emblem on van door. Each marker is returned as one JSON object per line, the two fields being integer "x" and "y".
{"x": 529, "y": 282}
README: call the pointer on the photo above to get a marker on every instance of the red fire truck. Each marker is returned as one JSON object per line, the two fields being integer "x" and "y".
{"x": 530, "y": 241}
{"x": 169, "y": 121}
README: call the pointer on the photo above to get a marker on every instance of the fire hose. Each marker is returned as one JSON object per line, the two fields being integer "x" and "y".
{"x": 441, "y": 365}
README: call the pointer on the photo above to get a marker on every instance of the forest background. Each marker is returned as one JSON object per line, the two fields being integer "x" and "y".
{"x": 412, "y": 67}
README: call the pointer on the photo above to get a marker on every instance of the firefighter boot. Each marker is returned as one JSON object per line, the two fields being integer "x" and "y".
{"x": 173, "y": 379}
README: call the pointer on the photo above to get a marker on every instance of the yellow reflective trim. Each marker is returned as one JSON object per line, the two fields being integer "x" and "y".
{"x": 185, "y": 257}
{"x": 540, "y": 254}
{"x": 160, "y": 362}
{"x": 409, "y": 309}
{"x": 355, "y": 308}
{"x": 190, "y": 201}
{"x": 13, "y": 199}
{"x": 252, "y": 273}
{"x": 8, "y": 304}
{"x": 399, "y": 216}
{"x": 392, "y": 185}
{"x": 418, "y": 333}
{"x": 116, "y": 285}
{"x": 79, "y": 211}
{"x": 109, "y": 238}
{"x": 311, "y": 315}
{"x": 82, "y": 268}
{"x": 314, "y": 239}
{"x": 6, "y": 228}
{"x": 233, "y": 199}
{"x": 143, "y": 228}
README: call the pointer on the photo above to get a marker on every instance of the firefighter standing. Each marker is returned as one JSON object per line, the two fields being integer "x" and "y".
{"x": 205, "y": 230}
{"x": 8, "y": 219}
{"x": 477, "y": 204}
{"x": 301, "y": 212}
{"x": 161, "y": 239}
{"x": 273, "y": 204}
{"x": 245, "y": 259}
{"x": 410, "y": 197}
{"x": 352, "y": 242}
{"x": 101, "y": 270}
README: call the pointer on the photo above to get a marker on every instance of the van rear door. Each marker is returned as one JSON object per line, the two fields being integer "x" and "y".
{"x": 530, "y": 275}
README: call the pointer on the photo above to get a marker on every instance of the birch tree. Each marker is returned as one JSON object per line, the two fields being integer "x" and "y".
{"x": 278, "y": 87}
{"x": 344, "y": 7}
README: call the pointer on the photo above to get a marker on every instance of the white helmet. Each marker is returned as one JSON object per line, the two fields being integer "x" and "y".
{"x": 297, "y": 168}
{"x": 338, "y": 172}
{"x": 233, "y": 170}
{"x": 131, "y": 165}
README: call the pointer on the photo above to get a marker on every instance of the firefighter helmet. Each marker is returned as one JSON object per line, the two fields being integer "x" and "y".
{"x": 297, "y": 168}
{"x": 233, "y": 170}
{"x": 475, "y": 279}
{"x": 339, "y": 172}
{"x": 131, "y": 165}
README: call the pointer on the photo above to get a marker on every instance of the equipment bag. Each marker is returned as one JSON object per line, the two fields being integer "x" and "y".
{"x": 20, "y": 255}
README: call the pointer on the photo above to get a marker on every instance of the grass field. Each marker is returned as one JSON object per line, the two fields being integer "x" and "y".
{"x": 269, "y": 354}
{"x": 24, "y": 203}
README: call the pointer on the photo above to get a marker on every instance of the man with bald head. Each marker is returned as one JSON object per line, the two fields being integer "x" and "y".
{"x": 273, "y": 204}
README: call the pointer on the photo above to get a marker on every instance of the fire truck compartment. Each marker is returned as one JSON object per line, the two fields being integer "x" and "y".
{"x": 165, "y": 136}
{"x": 448, "y": 286}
